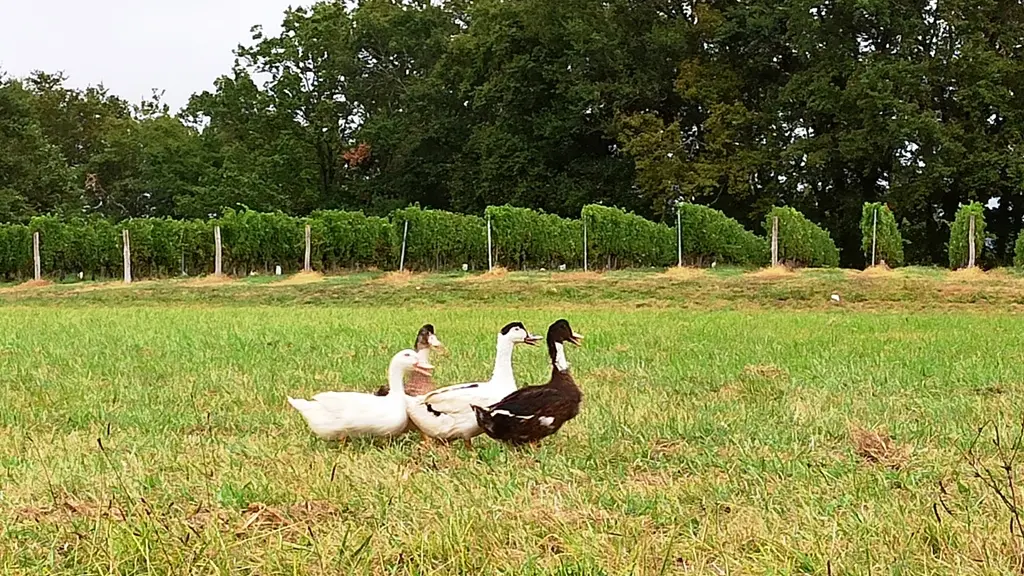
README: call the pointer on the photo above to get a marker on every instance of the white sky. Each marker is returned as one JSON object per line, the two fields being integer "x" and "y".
{"x": 133, "y": 46}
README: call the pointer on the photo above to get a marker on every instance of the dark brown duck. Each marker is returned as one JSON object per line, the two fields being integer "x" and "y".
{"x": 535, "y": 412}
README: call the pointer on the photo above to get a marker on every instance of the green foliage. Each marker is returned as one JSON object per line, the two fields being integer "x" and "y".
{"x": 523, "y": 238}
{"x": 440, "y": 240}
{"x": 15, "y": 251}
{"x": 709, "y": 235}
{"x": 888, "y": 242}
{"x": 620, "y": 239}
{"x": 801, "y": 242}
{"x": 1018, "y": 252}
{"x": 350, "y": 240}
{"x": 960, "y": 232}
{"x": 260, "y": 240}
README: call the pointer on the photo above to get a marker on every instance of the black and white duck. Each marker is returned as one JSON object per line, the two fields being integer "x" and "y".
{"x": 535, "y": 412}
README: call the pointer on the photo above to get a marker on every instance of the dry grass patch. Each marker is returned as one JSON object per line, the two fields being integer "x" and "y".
{"x": 967, "y": 274}
{"x": 576, "y": 276}
{"x": 684, "y": 273}
{"x": 301, "y": 278}
{"x": 765, "y": 371}
{"x": 396, "y": 277}
{"x": 877, "y": 447}
{"x": 210, "y": 280}
{"x": 879, "y": 270}
{"x": 773, "y": 272}
{"x": 29, "y": 285}
{"x": 496, "y": 273}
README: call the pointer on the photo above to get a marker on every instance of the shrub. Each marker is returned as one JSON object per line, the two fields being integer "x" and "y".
{"x": 623, "y": 239}
{"x": 15, "y": 251}
{"x": 1018, "y": 251}
{"x": 801, "y": 242}
{"x": 709, "y": 235}
{"x": 524, "y": 238}
{"x": 440, "y": 240}
{"x": 260, "y": 240}
{"x": 349, "y": 240}
{"x": 959, "y": 249}
{"x": 888, "y": 242}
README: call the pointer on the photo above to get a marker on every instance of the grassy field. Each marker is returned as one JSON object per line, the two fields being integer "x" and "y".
{"x": 732, "y": 424}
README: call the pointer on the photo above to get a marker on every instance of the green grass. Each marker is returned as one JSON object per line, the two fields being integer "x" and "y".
{"x": 144, "y": 429}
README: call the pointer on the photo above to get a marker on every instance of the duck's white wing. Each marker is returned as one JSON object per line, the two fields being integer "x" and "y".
{"x": 461, "y": 398}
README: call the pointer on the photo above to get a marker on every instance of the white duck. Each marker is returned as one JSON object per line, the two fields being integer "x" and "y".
{"x": 447, "y": 413}
{"x": 338, "y": 415}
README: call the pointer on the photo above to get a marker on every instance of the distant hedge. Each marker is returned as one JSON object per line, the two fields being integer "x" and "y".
{"x": 1018, "y": 251}
{"x": 440, "y": 240}
{"x": 801, "y": 242}
{"x": 523, "y": 238}
{"x": 349, "y": 240}
{"x": 619, "y": 239}
{"x": 709, "y": 235}
{"x": 959, "y": 233}
{"x": 888, "y": 242}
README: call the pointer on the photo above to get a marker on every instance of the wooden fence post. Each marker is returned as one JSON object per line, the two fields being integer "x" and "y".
{"x": 970, "y": 245}
{"x": 874, "y": 236}
{"x": 584, "y": 244}
{"x": 679, "y": 235}
{"x": 490, "y": 251}
{"x": 401, "y": 261}
{"x": 218, "y": 269}
{"x": 306, "y": 263}
{"x": 35, "y": 257}
{"x": 775, "y": 241}
{"x": 126, "y": 241}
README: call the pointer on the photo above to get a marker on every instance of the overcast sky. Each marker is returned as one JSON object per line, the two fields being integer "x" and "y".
{"x": 133, "y": 46}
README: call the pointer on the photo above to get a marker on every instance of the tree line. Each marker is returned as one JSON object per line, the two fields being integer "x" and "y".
{"x": 458, "y": 105}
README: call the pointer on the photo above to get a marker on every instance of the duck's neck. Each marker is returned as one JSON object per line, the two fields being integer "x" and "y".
{"x": 424, "y": 355}
{"x": 558, "y": 360}
{"x": 503, "y": 361}
{"x": 396, "y": 384}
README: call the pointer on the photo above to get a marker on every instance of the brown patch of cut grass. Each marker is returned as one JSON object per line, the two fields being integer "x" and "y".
{"x": 968, "y": 274}
{"x": 301, "y": 278}
{"x": 684, "y": 273}
{"x": 765, "y": 371}
{"x": 576, "y": 276}
{"x": 608, "y": 374}
{"x": 879, "y": 270}
{"x": 495, "y": 273}
{"x": 29, "y": 285}
{"x": 877, "y": 447}
{"x": 210, "y": 280}
{"x": 772, "y": 272}
{"x": 396, "y": 277}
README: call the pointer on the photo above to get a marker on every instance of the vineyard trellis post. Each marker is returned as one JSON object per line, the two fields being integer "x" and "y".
{"x": 126, "y": 241}
{"x": 401, "y": 260}
{"x": 584, "y": 244}
{"x": 490, "y": 252}
{"x": 970, "y": 245}
{"x": 37, "y": 262}
{"x": 306, "y": 266}
{"x": 679, "y": 234}
{"x": 218, "y": 262}
{"x": 775, "y": 241}
{"x": 874, "y": 236}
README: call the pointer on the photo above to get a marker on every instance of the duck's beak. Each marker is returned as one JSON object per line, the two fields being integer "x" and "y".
{"x": 576, "y": 338}
{"x": 532, "y": 339}
{"x": 434, "y": 342}
{"x": 424, "y": 368}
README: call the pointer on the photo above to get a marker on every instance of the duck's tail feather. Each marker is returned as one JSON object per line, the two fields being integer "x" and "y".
{"x": 316, "y": 416}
